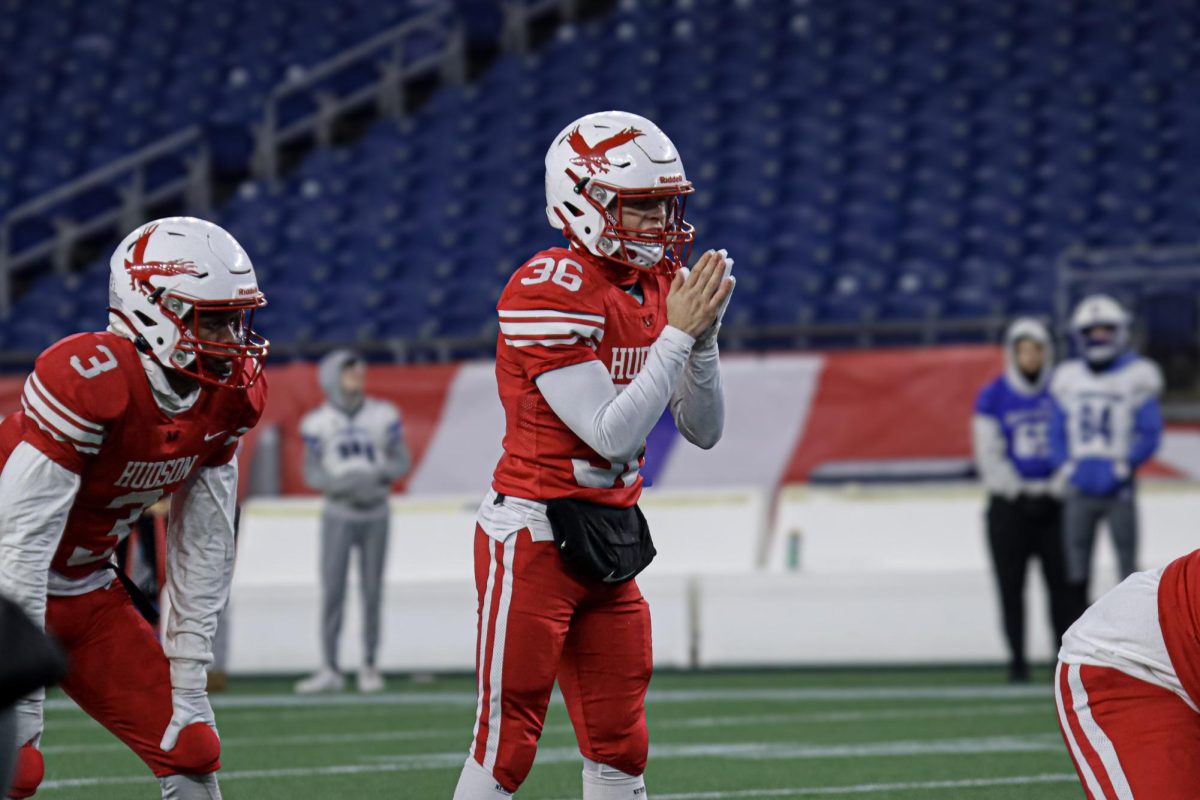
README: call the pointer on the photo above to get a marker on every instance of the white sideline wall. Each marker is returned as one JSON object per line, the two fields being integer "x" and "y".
{"x": 429, "y": 614}
{"x": 885, "y": 575}
{"x": 898, "y": 574}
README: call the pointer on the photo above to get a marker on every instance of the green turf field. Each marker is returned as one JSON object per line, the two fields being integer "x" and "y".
{"x": 875, "y": 734}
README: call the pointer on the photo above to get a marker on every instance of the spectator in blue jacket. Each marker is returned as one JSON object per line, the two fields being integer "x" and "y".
{"x": 1012, "y": 455}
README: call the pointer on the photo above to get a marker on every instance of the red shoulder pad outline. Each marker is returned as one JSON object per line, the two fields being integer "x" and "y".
{"x": 553, "y": 300}
{"x": 77, "y": 388}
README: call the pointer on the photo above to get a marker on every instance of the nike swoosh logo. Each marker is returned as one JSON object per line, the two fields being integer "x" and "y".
{"x": 208, "y": 437}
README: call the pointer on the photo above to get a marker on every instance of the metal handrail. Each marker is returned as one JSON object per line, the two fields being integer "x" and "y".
{"x": 1186, "y": 258}
{"x": 386, "y": 90}
{"x": 193, "y": 186}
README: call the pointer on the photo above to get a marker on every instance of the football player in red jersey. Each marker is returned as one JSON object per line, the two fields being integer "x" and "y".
{"x": 111, "y": 422}
{"x": 596, "y": 340}
{"x": 1128, "y": 687}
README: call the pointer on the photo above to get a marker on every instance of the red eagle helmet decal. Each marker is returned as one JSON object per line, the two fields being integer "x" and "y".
{"x": 595, "y": 157}
{"x": 141, "y": 271}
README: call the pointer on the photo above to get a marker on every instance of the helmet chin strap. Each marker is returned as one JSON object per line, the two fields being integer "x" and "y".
{"x": 165, "y": 394}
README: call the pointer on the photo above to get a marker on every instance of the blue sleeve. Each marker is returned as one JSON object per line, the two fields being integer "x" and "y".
{"x": 1059, "y": 453}
{"x": 1147, "y": 432}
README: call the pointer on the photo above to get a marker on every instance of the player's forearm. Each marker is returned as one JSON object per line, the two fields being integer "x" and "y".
{"x": 200, "y": 555}
{"x": 314, "y": 474}
{"x": 698, "y": 403}
{"x": 35, "y": 499}
{"x": 398, "y": 463}
{"x": 614, "y": 424}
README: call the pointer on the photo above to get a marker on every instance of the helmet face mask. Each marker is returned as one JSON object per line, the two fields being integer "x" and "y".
{"x": 186, "y": 296}
{"x": 667, "y": 245}
{"x": 218, "y": 345}
{"x": 1101, "y": 329}
{"x": 605, "y": 174}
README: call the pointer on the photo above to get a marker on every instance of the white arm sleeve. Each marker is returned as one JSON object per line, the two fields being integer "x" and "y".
{"x": 991, "y": 457}
{"x": 614, "y": 424}
{"x": 199, "y": 569}
{"x": 36, "y": 495}
{"x": 698, "y": 403}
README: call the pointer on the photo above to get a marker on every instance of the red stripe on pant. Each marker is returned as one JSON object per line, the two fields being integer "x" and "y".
{"x": 1072, "y": 730}
{"x": 539, "y": 623}
{"x": 1147, "y": 733}
{"x": 487, "y": 653}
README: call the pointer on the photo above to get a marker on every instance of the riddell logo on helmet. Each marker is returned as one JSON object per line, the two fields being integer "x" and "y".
{"x": 247, "y": 291}
{"x": 670, "y": 179}
{"x": 141, "y": 271}
{"x": 595, "y": 157}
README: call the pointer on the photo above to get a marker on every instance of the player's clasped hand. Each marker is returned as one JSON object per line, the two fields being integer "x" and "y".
{"x": 695, "y": 298}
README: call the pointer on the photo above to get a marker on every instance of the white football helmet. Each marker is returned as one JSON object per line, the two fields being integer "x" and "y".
{"x": 602, "y": 161}
{"x": 165, "y": 277}
{"x": 1100, "y": 327}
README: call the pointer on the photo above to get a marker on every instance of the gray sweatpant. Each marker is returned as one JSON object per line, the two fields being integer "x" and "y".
{"x": 341, "y": 533}
{"x": 1081, "y": 515}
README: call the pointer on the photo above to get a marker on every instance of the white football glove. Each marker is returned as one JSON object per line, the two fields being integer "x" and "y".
{"x": 709, "y": 337}
{"x": 188, "y": 706}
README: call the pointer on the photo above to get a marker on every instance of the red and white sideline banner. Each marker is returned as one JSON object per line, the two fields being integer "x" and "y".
{"x": 787, "y": 415}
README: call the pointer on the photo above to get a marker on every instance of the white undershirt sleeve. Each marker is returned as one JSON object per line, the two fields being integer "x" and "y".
{"x": 698, "y": 403}
{"x": 36, "y": 495}
{"x": 200, "y": 554}
{"x": 615, "y": 424}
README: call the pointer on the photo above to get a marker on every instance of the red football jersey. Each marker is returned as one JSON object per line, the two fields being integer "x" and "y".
{"x": 1179, "y": 618}
{"x": 566, "y": 307}
{"x": 88, "y": 406}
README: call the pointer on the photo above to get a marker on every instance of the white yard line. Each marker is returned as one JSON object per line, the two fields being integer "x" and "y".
{"x": 869, "y": 788}
{"x": 739, "y": 750}
{"x": 654, "y": 696}
{"x": 734, "y": 720}
{"x": 730, "y": 721}
{"x": 301, "y": 740}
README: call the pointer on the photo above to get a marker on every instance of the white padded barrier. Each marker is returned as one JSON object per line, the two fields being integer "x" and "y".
{"x": 429, "y": 616}
{"x": 883, "y": 575}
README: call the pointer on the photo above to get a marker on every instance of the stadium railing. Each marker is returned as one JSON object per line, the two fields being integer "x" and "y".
{"x": 519, "y": 16}
{"x": 65, "y": 209}
{"x": 388, "y": 54}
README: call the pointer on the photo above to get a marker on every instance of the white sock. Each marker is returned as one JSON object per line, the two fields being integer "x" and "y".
{"x": 602, "y": 782}
{"x": 190, "y": 787}
{"x": 476, "y": 783}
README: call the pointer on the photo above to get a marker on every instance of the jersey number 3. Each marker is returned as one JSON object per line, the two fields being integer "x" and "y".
{"x": 137, "y": 503}
{"x": 95, "y": 365}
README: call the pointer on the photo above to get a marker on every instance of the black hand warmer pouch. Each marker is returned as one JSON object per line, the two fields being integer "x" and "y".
{"x": 601, "y": 542}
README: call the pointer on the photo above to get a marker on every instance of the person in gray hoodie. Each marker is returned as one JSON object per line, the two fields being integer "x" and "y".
{"x": 1010, "y": 432}
{"x": 354, "y": 450}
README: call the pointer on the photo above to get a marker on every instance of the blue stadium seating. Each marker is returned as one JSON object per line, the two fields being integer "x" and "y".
{"x": 908, "y": 160}
{"x": 85, "y": 82}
